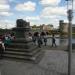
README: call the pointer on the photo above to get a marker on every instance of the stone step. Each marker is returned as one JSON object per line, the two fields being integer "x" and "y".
{"x": 22, "y": 53}
{"x": 21, "y": 50}
{"x": 39, "y": 57}
{"x": 35, "y": 57}
{"x": 16, "y": 57}
{"x": 20, "y": 45}
{"x": 12, "y": 43}
{"x": 21, "y": 40}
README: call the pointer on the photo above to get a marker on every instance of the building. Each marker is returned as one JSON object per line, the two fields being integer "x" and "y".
{"x": 47, "y": 27}
{"x": 42, "y": 27}
{"x": 63, "y": 27}
{"x": 36, "y": 28}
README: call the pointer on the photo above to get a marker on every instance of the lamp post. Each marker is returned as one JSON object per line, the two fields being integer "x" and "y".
{"x": 70, "y": 17}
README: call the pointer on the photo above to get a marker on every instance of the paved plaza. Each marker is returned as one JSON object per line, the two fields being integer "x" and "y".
{"x": 53, "y": 63}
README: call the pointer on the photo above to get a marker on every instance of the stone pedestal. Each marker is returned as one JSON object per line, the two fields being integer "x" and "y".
{"x": 22, "y": 47}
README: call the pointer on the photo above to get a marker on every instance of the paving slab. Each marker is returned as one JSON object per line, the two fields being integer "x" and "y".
{"x": 53, "y": 63}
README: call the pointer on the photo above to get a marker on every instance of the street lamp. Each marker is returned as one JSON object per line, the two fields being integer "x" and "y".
{"x": 70, "y": 17}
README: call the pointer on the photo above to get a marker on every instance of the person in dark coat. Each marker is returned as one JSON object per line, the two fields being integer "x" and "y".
{"x": 45, "y": 40}
{"x": 53, "y": 41}
{"x": 34, "y": 37}
{"x": 39, "y": 40}
{"x": 43, "y": 34}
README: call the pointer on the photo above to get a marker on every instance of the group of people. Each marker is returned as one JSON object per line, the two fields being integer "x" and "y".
{"x": 5, "y": 40}
{"x": 41, "y": 38}
{"x": 37, "y": 38}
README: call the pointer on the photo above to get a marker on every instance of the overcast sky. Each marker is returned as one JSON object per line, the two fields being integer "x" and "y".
{"x": 35, "y": 11}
